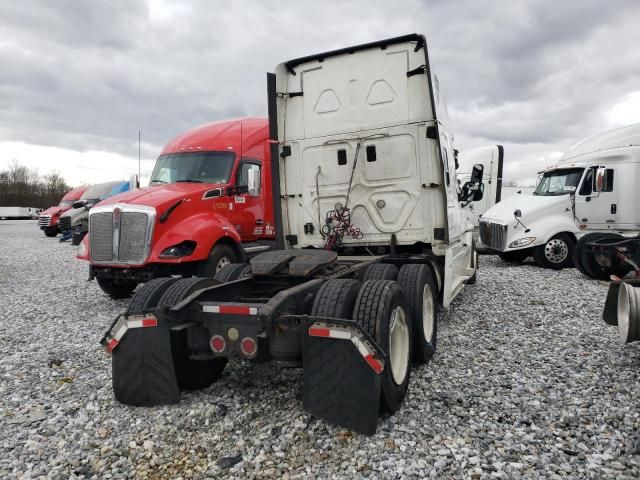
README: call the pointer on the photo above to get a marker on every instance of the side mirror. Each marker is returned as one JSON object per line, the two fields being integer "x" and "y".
{"x": 517, "y": 213}
{"x": 253, "y": 182}
{"x": 476, "y": 173}
{"x": 134, "y": 182}
{"x": 79, "y": 204}
{"x": 598, "y": 185}
{"x": 479, "y": 193}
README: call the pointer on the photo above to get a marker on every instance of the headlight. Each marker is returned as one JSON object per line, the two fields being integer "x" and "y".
{"x": 182, "y": 249}
{"x": 522, "y": 242}
{"x": 82, "y": 249}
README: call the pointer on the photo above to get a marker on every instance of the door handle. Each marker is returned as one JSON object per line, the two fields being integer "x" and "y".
{"x": 588, "y": 199}
{"x": 614, "y": 208}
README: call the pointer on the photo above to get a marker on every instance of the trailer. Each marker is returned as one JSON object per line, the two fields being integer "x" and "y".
{"x": 371, "y": 239}
{"x": 19, "y": 213}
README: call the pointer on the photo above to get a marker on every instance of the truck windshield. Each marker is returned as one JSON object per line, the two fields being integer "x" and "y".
{"x": 200, "y": 167}
{"x": 66, "y": 203}
{"x": 559, "y": 182}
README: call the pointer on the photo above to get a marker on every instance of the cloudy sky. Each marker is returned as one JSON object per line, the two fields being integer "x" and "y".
{"x": 80, "y": 78}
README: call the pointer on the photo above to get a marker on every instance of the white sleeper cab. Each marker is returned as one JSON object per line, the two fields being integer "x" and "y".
{"x": 592, "y": 189}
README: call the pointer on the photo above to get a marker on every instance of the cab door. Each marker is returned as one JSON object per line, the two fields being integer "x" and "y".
{"x": 249, "y": 207}
{"x": 597, "y": 199}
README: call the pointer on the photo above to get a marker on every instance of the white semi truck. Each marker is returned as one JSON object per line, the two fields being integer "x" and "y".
{"x": 491, "y": 158}
{"x": 371, "y": 238}
{"x": 592, "y": 189}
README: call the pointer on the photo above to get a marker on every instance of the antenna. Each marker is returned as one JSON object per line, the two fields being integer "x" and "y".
{"x": 139, "y": 177}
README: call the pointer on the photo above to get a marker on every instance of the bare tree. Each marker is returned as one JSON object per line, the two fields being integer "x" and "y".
{"x": 21, "y": 186}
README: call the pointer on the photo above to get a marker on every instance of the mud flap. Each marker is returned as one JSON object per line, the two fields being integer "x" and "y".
{"x": 610, "y": 312}
{"x": 342, "y": 384}
{"x": 143, "y": 372}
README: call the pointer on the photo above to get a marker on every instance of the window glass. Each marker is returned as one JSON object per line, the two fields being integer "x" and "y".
{"x": 559, "y": 182}
{"x": 607, "y": 185}
{"x": 445, "y": 161}
{"x": 587, "y": 183}
{"x": 199, "y": 167}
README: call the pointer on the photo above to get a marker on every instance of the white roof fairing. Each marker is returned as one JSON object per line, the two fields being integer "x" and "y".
{"x": 628, "y": 136}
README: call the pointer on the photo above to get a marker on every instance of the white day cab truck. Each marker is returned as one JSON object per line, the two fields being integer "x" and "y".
{"x": 592, "y": 189}
{"x": 491, "y": 159}
{"x": 370, "y": 236}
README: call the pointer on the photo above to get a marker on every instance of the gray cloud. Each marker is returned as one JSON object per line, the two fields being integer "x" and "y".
{"x": 534, "y": 76}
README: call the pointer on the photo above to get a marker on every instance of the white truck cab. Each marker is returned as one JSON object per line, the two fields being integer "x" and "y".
{"x": 491, "y": 159}
{"x": 591, "y": 189}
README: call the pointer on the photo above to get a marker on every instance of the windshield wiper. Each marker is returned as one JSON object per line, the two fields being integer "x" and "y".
{"x": 158, "y": 181}
{"x": 189, "y": 181}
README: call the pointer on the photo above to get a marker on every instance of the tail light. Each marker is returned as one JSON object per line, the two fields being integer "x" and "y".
{"x": 217, "y": 344}
{"x": 249, "y": 347}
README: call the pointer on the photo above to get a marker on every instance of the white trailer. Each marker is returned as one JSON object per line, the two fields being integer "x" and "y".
{"x": 592, "y": 189}
{"x": 19, "y": 213}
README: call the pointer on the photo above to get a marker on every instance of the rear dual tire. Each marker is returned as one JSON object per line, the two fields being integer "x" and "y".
{"x": 586, "y": 263}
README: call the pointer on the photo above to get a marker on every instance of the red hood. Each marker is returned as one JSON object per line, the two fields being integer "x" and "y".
{"x": 53, "y": 211}
{"x": 159, "y": 195}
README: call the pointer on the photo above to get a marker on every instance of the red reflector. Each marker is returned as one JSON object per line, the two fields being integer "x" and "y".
{"x": 113, "y": 343}
{"x": 150, "y": 322}
{"x": 319, "y": 332}
{"x": 217, "y": 344}
{"x": 235, "y": 310}
{"x": 375, "y": 364}
{"x": 248, "y": 346}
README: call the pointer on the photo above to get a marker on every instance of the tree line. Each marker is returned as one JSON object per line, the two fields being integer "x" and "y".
{"x": 23, "y": 187}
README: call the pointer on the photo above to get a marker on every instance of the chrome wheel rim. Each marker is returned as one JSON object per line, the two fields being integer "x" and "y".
{"x": 399, "y": 345}
{"x": 223, "y": 262}
{"x": 556, "y": 250}
{"x": 428, "y": 313}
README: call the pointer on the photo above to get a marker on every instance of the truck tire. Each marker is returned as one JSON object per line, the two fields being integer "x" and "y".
{"x": 336, "y": 298}
{"x": 584, "y": 261}
{"x": 419, "y": 288}
{"x": 382, "y": 311}
{"x": 380, "y": 271}
{"x": 117, "y": 290}
{"x": 142, "y": 371}
{"x": 556, "y": 253}
{"x": 232, "y": 272}
{"x": 220, "y": 256}
{"x": 190, "y": 374}
{"x": 515, "y": 256}
{"x": 50, "y": 232}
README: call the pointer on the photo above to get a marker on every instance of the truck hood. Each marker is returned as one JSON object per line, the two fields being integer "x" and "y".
{"x": 160, "y": 195}
{"x": 531, "y": 207}
{"x": 53, "y": 211}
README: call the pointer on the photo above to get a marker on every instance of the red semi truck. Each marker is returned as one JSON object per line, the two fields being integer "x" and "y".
{"x": 196, "y": 216}
{"x": 48, "y": 220}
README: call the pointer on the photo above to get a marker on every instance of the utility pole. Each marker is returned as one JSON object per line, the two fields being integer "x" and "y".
{"x": 139, "y": 170}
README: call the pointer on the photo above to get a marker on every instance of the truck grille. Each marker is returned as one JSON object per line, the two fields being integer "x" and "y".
{"x": 493, "y": 235}
{"x": 121, "y": 234}
{"x": 44, "y": 221}
{"x": 64, "y": 223}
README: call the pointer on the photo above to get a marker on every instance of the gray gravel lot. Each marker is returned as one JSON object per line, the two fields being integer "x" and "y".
{"x": 527, "y": 382}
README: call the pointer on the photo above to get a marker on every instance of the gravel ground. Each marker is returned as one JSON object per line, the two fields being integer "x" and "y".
{"x": 528, "y": 381}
